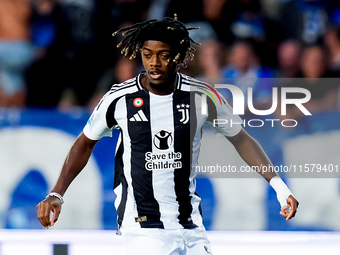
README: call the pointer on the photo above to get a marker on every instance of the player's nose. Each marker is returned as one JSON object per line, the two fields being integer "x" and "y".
{"x": 154, "y": 61}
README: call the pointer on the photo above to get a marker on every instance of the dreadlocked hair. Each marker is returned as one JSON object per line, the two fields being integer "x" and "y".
{"x": 167, "y": 30}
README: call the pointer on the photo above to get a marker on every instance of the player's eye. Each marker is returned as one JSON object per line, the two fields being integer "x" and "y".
{"x": 147, "y": 55}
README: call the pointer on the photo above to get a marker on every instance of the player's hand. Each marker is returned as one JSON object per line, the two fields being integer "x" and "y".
{"x": 288, "y": 211}
{"x": 44, "y": 209}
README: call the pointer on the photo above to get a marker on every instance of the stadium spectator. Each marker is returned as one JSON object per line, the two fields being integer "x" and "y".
{"x": 318, "y": 80}
{"x": 289, "y": 54}
{"x": 218, "y": 13}
{"x": 304, "y": 20}
{"x": 245, "y": 71}
{"x": 232, "y": 20}
{"x": 44, "y": 24}
{"x": 332, "y": 41}
{"x": 77, "y": 57}
{"x": 16, "y": 51}
{"x": 249, "y": 23}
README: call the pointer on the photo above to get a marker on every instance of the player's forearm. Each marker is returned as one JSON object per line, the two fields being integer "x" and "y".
{"x": 75, "y": 162}
{"x": 253, "y": 154}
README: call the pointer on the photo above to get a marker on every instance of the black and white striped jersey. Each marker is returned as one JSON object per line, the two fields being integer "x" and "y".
{"x": 158, "y": 149}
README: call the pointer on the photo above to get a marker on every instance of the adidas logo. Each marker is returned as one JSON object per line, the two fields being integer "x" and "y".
{"x": 139, "y": 116}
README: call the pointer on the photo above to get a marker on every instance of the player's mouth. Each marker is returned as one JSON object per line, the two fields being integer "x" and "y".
{"x": 155, "y": 75}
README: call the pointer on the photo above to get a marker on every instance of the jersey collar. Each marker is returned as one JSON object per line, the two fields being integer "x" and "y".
{"x": 140, "y": 86}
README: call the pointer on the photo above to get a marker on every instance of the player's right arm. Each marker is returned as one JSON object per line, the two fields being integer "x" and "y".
{"x": 95, "y": 128}
{"x": 75, "y": 162}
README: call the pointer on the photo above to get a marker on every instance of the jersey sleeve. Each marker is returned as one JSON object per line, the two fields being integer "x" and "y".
{"x": 96, "y": 127}
{"x": 222, "y": 119}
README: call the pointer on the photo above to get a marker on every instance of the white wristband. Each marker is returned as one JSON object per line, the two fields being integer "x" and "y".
{"x": 282, "y": 191}
{"x": 57, "y": 195}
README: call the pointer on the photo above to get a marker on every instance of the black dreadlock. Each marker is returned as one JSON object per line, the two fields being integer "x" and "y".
{"x": 167, "y": 30}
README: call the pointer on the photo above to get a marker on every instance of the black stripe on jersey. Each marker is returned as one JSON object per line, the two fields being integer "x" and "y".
{"x": 138, "y": 80}
{"x": 141, "y": 142}
{"x": 119, "y": 178}
{"x": 183, "y": 143}
{"x": 110, "y": 114}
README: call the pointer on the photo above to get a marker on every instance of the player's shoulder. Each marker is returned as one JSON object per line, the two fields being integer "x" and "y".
{"x": 127, "y": 86}
{"x": 200, "y": 87}
{"x": 118, "y": 91}
{"x": 124, "y": 88}
{"x": 189, "y": 82}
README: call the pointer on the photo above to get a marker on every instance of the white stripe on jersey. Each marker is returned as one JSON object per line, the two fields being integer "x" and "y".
{"x": 164, "y": 193}
{"x": 130, "y": 208}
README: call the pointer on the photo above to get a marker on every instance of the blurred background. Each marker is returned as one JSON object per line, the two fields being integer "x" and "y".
{"x": 58, "y": 58}
{"x": 60, "y": 53}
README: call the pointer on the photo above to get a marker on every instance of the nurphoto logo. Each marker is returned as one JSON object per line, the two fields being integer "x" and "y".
{"x": 239, "y": 105}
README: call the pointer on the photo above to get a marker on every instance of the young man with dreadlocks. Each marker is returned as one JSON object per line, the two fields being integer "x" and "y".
{"x": 160, "y": 118}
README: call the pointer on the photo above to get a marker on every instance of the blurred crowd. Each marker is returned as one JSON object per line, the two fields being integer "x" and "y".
{"x": 60, "y": 53}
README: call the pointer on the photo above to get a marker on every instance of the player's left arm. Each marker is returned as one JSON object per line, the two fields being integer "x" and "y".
{"x": 253, "y": 154}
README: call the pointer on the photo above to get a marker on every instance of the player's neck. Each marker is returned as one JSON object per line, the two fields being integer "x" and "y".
{"x": 165, "y": 88}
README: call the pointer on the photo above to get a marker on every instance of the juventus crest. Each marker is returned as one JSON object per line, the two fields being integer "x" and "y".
{"x": 184, "y": 109}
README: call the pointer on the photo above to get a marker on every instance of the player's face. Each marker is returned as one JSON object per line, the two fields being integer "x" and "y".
{"x": 155, "y": 56}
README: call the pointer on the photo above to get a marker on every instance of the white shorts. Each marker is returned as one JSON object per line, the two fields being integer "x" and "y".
{"x": 154, "y": 241}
